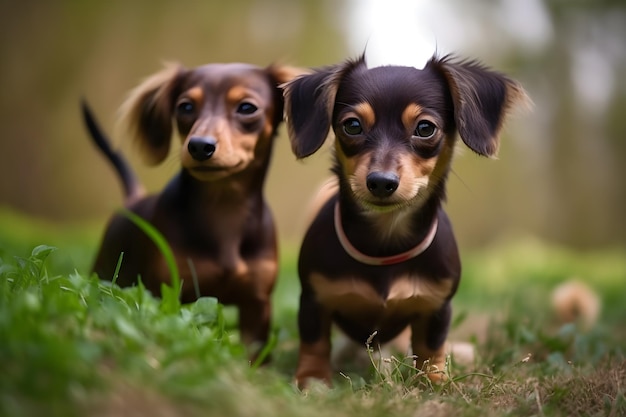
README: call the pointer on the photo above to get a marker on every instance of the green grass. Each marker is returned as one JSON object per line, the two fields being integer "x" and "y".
{"x": 73, "y": 345}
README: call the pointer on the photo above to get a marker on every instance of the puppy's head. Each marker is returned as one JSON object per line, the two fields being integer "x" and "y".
{"x": 395, "y": 127}
{"x": 225, "y": 114}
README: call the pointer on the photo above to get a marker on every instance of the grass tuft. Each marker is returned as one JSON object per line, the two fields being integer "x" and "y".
{"x": 64, "y": 336}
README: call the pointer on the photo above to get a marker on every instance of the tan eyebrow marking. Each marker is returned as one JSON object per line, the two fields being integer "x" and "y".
{"x": 366, "y": 113}
{"x": 410, "y": 113}
{"x": 237, "y": 93}
{"x": 196, "y": 94}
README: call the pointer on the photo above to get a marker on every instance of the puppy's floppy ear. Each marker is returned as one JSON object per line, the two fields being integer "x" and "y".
{"x": 279, "y": 76}
{"x": 282, "y": 74}
{"x": 309, "y": 103}
{"x": 482, "y": 98}
{"x": 147, "y": 113}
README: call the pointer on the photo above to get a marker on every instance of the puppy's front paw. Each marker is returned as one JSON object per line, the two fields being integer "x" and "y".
{"x": 436, "y": 367}
{"x": 307, "y": 378}
{"x": 436, "y": 373}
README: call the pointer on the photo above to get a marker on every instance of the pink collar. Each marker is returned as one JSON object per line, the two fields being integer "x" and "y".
{"x": 382, "y": 260}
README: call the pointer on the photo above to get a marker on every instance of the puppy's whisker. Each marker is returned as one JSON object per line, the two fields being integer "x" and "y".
{"x": 172, "y": 162}
{"x": 458, "y": 177}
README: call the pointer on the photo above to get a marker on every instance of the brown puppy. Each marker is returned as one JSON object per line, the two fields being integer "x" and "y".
{"x": 381, "y": 256}
{"x": 213, "y": 213}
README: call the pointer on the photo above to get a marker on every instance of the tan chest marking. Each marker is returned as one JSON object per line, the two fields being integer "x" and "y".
{"x": 407, "y": 295}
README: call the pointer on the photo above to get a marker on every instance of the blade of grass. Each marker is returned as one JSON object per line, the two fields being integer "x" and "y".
{"x": 171, "y": 295}
{"x": 266, "y": 351}
{"x": 117, "y": 268}
{"x": 194, "y": 277}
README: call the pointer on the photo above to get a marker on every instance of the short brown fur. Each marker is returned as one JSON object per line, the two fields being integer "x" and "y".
{"x": 213, "y": 213}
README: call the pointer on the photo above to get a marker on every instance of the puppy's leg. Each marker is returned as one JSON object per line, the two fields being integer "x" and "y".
{"x": 254, "y": 324}
{"x": 314, "y": 324}
{"x": 428, "y": 339}
{"x": 255, "y": 305}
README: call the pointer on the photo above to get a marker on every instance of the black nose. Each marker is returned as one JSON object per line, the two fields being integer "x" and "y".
{"x": 382, "y": 184}
{"x": 201, "y": 148}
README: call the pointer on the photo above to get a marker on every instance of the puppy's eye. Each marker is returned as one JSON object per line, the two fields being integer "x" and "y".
{"x": 425, "y": 129}
{"x": 352, "y": 127}
{"x": 185, "y": 107}
{"x": 246, "y": 108}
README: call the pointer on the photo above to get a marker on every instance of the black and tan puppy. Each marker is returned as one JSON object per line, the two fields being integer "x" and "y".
{"x": 381, "y": 256}
{"x": 213, "y": 212}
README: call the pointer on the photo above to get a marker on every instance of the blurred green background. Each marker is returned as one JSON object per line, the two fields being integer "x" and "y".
{"x": 561, "y": 170}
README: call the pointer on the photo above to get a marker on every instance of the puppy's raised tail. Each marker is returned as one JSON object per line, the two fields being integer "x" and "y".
{"x": 133, "y": 190}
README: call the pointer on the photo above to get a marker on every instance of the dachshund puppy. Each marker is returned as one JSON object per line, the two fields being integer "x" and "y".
{"x": 380, "y": 256}
{"x": 213, "y": 213}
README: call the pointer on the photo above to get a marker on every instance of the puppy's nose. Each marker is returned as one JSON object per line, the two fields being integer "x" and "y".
{"x": 201, "y": 148}
{"x": 382, "y": 184}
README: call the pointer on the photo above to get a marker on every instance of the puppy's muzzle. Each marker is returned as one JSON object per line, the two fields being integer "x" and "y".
{"x": 382, "y": 184}
{"x": 201, "y": 148}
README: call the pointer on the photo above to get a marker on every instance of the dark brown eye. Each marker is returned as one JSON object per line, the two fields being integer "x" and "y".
{"x": 425, "y": 129}
{"x": 352, "y": 126}
{"x": 246, "y": 108}
{"x": 185, "y": 108}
